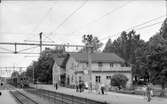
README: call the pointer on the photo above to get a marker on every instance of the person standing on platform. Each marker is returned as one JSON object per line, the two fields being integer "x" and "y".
{"x": 144, "y": 91}
{"x": 80, "y": 87}
{"x": 102, "y": 88}
{"x": 148, "y": 93}
{"x": 56, "y": 86}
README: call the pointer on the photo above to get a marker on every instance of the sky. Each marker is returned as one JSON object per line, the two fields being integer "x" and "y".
{"x": 65, "y": 22}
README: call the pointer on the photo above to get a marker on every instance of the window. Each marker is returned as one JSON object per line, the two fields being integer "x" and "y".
{"x": 80, "y": 79}
{"x": 87, "y": 65}
{"x": 108, "y": 77}
{"x": 100, "y": 64}
{"x": 117, "y": 65}
{"x": 111, "y": 64}
{"x": 97, "y": 79}
{"x": 72, "y": 78}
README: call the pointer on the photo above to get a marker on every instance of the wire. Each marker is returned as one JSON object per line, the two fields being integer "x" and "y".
{"x": 136, "y": 29}
{"x": 18, "y": 53}
{"x": 28, "y": 49}
{"x": 149, "y": 25}
{"x": 67, "y": 18}
{"x": 6, "y": 49}
{"x": 140, "y": 28}
{"x": 49, "y": 38}
{"x": 146, "y": 22}
{"x": 43, "y": 18}
{"x": 106, "y": 14}
{"x": 15, "y": 33}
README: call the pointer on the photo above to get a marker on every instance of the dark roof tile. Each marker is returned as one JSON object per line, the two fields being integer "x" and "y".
{"x": 98, "y": 57}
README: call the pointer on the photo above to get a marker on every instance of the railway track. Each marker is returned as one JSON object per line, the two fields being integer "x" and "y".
{"x": 7, "y": 87}
{"x": 21, "y": 98}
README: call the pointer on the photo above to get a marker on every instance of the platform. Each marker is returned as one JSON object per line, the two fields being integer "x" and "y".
{"x": 6, "y": 97}
{"x": 109, "y": 97}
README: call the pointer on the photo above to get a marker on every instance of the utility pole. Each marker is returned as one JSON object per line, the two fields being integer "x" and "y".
{"x": 89, "y": 50}
{"x": 166, "y": 7}
{"x": 88, "y": 40}
{"x": 40, "y": 45}
{"x": 33, "y": 76}
{"x": 40, "y": 40}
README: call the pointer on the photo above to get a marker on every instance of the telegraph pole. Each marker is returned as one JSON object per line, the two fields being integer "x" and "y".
{"x": 89, "y": 50}
{"x": 166, "y": 7}
{"x": 88, "y": 40}
{"x": 40, "y": 40}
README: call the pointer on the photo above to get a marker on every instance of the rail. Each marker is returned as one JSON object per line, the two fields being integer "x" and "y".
{"x": 21, "y": 98}
{"x": 60, "y": 98}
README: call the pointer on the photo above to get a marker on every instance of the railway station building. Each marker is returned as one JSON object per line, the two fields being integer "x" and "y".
{"x": 103, "y": 66}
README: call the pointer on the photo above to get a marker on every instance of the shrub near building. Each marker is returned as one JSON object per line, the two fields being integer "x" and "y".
{"x": 119, "y": 80}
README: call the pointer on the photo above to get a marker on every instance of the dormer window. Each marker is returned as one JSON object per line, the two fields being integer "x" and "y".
{"x": 100, "y": 64}
{"x": 111, "y": 64}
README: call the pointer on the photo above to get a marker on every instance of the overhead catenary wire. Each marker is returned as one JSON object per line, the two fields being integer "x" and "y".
{"x": 6, "y": 49}
{"x": 138, "y": 27}
{"x": 27, "y": 49}
{"x": 106, "y": 14}
{"x": 18, "y": 53}
{"x": 46, "y": 36}
{"x": 166, "y": 7}
{"x": 16, "y": 33}
{"x": 42, "y": 19}
{"x": 146, "y": 22}
{"x": 147, "y": 26}
{"x": 67, "y": 18}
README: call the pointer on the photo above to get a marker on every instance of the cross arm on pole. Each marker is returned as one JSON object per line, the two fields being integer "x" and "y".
{"x": 10, "y": 43}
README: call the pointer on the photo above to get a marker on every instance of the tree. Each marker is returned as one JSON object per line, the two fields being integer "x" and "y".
{"x": 156, "y": 58}
{"x": 108, "y": 46}
{"x": 157, "y": 61}
{"x": 93, "y": 41}
{"x": 124, "y": 46}
{"x": 43, "y": 67}
{"x": 130, "y": 47}
{"x": 119, "y": 80}
{"x": 31, "y": 72}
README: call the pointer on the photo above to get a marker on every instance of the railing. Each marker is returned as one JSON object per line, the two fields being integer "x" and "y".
{"x": 60, "y": 98}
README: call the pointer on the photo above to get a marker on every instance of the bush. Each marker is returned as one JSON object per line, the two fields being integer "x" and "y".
{"x": 119, "y": 80}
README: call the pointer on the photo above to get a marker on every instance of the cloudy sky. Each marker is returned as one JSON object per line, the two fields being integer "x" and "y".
{"x": 66, "y": 21}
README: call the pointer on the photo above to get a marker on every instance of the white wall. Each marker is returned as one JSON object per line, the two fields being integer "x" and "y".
{"x": 106, "y": 67}
{"x": 107, "y": 81}
{"x": 70, "y": 69}
{"x": 55, "y": 73}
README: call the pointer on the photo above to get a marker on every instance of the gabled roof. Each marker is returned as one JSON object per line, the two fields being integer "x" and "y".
{"x": 97, "y": 57}
{"x": 61, "y": 61}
